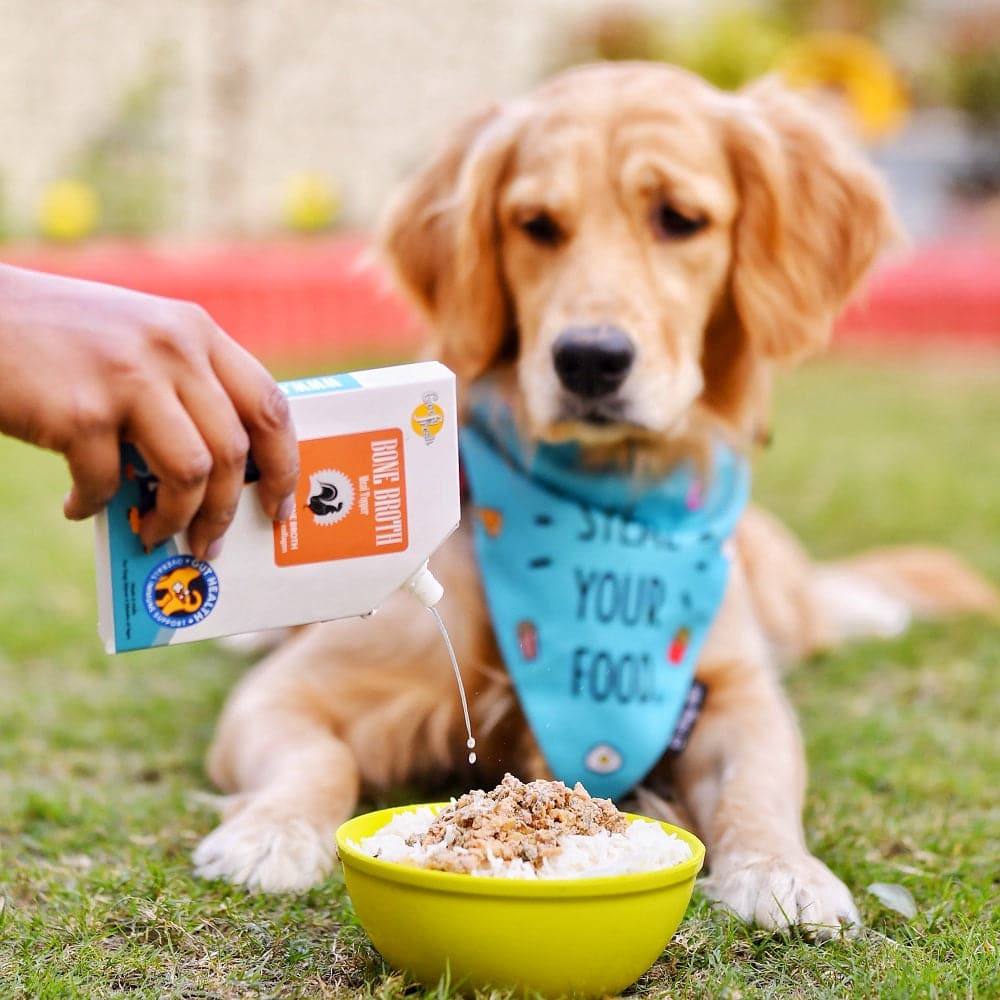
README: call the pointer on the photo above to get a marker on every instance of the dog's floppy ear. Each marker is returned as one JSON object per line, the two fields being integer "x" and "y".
{"x": 813, "y": 217}
{"x": 440, "y": 238}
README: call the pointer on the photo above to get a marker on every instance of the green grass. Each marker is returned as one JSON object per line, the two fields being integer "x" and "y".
{"x": 100, "y": 757}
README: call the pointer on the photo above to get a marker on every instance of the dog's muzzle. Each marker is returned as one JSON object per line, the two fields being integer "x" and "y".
{"x": 592, "y": 361}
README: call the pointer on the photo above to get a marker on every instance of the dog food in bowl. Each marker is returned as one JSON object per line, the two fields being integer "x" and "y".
{"x": 561, "y": 920}
{"x": 538, "y": 830}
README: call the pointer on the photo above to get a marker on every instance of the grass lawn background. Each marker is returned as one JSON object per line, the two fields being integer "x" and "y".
{"x": 100, "y": 757}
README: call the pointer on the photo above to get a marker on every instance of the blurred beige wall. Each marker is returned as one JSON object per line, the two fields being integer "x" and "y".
{"x": 254, "y": 91}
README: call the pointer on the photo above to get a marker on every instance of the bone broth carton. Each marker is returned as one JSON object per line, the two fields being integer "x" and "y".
{"x": 378, "y": 493}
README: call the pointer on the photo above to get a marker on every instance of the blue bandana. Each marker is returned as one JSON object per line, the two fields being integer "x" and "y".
{"x": 601, "y": 592}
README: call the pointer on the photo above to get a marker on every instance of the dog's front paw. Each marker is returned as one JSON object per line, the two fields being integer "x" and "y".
{"x": 266, "y": 850}
{"x": 778, "y": 893}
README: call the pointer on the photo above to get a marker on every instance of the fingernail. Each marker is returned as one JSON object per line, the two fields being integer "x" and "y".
{"x": 214, "y": 549}
{"x": 285, "y": 509}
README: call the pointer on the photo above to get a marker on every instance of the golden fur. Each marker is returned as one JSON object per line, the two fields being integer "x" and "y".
{"x": 722, "y": 233}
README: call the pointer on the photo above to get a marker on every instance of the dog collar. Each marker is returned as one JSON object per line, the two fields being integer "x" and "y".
{"x": 601, "y": 593}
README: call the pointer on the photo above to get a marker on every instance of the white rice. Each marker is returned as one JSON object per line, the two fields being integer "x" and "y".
{"x": 644, "y": 847}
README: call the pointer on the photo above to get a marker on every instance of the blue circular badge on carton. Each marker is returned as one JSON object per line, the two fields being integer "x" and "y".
{"x": 181, "y": 591}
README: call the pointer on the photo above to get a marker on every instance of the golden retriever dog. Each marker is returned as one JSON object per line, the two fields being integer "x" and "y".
{"x": 625, "y": 256}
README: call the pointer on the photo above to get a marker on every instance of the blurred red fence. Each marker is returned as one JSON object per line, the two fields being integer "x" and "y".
{"x": 308, "y": 298}
{"x": 942, "y": 291}
{"x": 300, "y": 298}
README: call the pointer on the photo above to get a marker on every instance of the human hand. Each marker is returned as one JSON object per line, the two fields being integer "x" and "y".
{"x": 84, "y": 366}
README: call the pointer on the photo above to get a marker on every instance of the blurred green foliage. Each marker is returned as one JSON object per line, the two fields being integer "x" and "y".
{"x": 974, "y": 81}
{"x": 734, "y": 46}
{"x": 126, "y": 161}
{"x": 4, "y": 222}
{"x": 730, "y": 46}
{"x": 959, "y": 65}
{"x": 864, "y": 16}
{"x": 727, "y": 48}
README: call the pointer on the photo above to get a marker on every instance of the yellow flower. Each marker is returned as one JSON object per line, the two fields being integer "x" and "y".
{"x": 311, "y": 202}
{"x": 855, "y": 69}
{"x": 69, "y": 210}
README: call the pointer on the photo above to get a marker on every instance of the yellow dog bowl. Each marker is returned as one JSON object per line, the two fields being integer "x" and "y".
{"x": 583, "y": 937}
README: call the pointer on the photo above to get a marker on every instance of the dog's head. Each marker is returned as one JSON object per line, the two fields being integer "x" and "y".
{"x": 636, "y": 249}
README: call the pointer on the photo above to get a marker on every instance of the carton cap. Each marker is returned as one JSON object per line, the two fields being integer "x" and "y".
{"x": 425, "y": 587}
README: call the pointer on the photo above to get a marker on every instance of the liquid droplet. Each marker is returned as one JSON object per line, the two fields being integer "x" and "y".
{"x": 471, "y": 742}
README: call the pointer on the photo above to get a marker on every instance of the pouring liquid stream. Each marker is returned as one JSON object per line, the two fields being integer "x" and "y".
{"x": 471, "y": 741}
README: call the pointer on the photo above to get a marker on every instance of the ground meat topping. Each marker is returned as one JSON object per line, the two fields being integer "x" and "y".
{"x": 514, "y": 821}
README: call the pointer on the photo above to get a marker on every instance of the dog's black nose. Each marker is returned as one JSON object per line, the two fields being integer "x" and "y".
{"x": 592, "y": 361}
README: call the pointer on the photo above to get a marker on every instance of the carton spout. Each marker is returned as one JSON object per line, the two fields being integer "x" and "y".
{"x": 424, "y": 587}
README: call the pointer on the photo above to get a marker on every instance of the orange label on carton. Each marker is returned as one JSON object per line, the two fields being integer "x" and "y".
{"x": 350, "y": 500}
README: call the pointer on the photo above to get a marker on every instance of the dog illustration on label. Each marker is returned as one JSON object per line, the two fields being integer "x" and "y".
{"x": 177, "y": 593}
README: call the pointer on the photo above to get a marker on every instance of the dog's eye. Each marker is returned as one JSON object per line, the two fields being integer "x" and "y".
{"x": 541, "y": 228}
{"x": 669, "y": 224}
